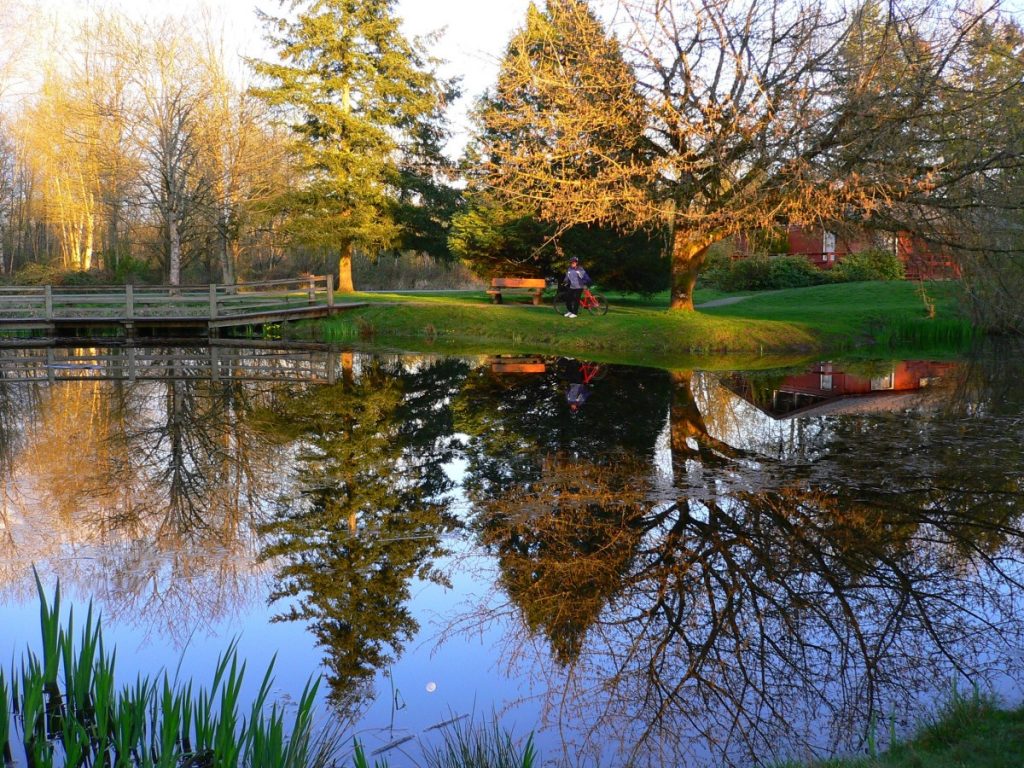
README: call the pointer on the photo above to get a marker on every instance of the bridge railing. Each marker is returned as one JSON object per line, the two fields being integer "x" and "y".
{"x": 127, "y": 302}
{"x": 168, "y": 363}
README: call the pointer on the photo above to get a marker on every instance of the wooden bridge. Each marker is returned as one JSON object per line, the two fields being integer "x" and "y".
{"x": 215, "y": 361}
{"x": 165, "y": 310}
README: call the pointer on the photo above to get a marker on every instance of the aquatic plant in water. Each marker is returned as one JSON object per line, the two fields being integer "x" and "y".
{"x": 66, "y": 709}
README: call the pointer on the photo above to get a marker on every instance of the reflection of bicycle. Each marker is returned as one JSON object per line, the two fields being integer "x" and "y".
{"x": 592, "y": 372}
{"x": 594, "y": 303}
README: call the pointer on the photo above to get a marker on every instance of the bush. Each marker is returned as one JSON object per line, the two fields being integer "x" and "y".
{"x": 136, "y": 271}
{"x": 761, "y": 273}
{"x": 872, "y": 264}
{"x": 35, "y": 273}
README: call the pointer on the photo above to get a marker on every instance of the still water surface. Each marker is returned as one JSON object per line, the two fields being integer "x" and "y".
{"x": 678, "y": 567}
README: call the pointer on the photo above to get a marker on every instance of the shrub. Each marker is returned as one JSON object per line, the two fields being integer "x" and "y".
{"x": 761, "y": 273}
{"x": 716, "y": 269}
{"x": 35, "y": 273}
{"x": 872, "y": 264}
{"x": 794, "y": 272}
{"x": 137, "y": 271}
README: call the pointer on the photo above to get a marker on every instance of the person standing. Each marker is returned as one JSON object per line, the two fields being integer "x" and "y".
{"x": 576, "y": 279}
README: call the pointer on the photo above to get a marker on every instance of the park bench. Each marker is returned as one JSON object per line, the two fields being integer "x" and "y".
{"x": 517, "y": 364}
{"x": 532, "y": 285}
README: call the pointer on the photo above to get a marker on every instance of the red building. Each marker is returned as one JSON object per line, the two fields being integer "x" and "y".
{"x": 825, "y": 249}
{"x": 827, "y": 388}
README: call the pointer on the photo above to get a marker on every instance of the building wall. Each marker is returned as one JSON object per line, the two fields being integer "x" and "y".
{"x": 921, "y": 261}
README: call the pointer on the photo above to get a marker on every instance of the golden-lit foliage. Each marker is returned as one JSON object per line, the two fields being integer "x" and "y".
{"x": 564, "y": 542}
{"x": 714, "y": 117}
{"x": 137, "y": 150}
{"x": 148, "y": 498}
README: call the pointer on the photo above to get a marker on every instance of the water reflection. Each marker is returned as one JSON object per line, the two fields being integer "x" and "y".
{"x": 763, "y": 608}
{"x": 725, "y": 566}
{"x": 371, "y": 509}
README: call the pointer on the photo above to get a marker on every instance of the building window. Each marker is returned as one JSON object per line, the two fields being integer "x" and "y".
{"x": 881, "y": 382}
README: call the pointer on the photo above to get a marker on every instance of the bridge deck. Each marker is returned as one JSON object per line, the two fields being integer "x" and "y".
{"x": 204, "y": 310}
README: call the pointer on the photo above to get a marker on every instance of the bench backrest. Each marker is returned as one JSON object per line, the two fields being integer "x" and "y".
{"x": 518, "y": 282}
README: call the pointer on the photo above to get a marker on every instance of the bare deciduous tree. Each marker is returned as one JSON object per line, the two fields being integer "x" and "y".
{"x": 713, "y": 117}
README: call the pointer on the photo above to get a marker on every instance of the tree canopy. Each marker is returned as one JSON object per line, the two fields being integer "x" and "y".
{"x": 719, "y": 117}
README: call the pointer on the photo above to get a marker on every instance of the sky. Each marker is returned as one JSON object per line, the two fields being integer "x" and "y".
{"x": 473, "y": 32}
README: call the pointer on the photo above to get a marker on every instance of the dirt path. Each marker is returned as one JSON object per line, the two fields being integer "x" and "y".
{"x": 721, "y": 302}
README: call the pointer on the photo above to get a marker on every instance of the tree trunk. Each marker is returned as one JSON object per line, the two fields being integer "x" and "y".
{"x": 113, "y": 249}
{"x": 174, "y": 257}
{"x": 90, "y": 230}
{"x": 687, "y": 428}
{"x": 345, "y": 269}
{"x": 228, "y": 253}
{"x": 689, "y": 438}
{"x": 687, "y": 260}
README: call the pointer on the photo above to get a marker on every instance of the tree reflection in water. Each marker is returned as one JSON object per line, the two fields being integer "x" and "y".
{"x": 148, "y": 489}
{"x": 765, "y": 609}
{"x": 679, "y": 572}
{"x": 371, "y": 515}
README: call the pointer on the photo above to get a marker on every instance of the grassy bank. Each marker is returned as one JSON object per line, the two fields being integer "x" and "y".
{"x": 970, "y": 732}
{"x": 792, "y": 322}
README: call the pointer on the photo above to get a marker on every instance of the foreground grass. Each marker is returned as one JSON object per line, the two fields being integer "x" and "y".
{"x": 65, "y": 710}
{"x": 640, "y": 330}
{"x": 968, "y": 733}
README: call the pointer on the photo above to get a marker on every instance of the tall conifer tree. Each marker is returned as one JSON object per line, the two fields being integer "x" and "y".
{"x": 366, "y": 107}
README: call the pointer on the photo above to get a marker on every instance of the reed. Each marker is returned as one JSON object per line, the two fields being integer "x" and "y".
{"x": 67, "y": 709}
{"x": 470, "y": 745}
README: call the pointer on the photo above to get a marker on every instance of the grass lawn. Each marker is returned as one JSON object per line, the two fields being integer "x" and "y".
{"x": 967, "y": 734}
{"x": 640, "y": 330}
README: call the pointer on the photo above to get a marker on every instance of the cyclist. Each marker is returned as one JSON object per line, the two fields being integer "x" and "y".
{"x": 576, "y": 278}
{"x": 577, "y": 395}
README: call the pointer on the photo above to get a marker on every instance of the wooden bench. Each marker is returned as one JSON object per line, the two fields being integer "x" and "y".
{"x": 533, "y": 285}
{"x": 517, "y": 364}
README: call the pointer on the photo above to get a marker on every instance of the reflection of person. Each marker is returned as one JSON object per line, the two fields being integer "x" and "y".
{"x": 577, "y": 395}
{"x": 576, "y": 278}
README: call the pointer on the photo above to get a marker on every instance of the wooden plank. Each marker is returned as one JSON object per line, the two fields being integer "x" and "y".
{"x": 518, "y": 282}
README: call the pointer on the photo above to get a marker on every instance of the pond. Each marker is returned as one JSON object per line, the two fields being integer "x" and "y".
{"x": 638, "y": 565}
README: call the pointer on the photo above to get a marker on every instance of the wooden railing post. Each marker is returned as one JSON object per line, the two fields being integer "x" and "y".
{"x": 330, "y": 290}
{"x": 213, "y": 301}
{"x": 312, "y": 289}
{"x": 129, "y": 301}
{"x": 48, "y": 301}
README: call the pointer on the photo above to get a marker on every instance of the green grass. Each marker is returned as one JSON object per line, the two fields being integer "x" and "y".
{"x": 66, "y": 710}
{"x": 640, "y": 330}
{"x": 468, "y": 745}
{"x": 969, "y": 732}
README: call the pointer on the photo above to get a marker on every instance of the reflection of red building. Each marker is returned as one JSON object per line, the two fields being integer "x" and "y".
{"x": 825, "y": 249}
{"x": 825, "y": 388}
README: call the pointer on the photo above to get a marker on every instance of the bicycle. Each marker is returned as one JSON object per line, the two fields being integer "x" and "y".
{"x": 594, "y": 303}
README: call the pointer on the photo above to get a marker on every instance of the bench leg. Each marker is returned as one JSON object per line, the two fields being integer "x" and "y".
{"x": 496, "y": 298}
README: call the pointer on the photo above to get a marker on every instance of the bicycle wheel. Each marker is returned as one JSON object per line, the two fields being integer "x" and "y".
{"x": 558, "y": 302}
{"x": 599, "y": 306}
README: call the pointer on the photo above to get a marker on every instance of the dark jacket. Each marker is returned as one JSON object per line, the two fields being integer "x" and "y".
{"x": 577, "y": 278}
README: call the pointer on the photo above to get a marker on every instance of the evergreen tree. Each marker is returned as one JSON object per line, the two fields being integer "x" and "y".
{"x": 506, "y": 221}
{"x": 367, "y": 110}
